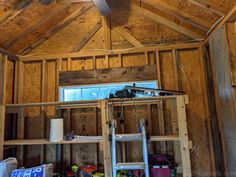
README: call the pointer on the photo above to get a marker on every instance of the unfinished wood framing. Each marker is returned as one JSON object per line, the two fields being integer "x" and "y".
{"x": 56, "y": 28}
{"x": 88, "y": 36}
{"x": 174, "y": 26}
{"x": 2, "y": 130}
{"x": 106, "y": 116}
{"x": 3, "y": 70}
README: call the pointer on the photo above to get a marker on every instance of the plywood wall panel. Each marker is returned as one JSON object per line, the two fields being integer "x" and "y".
{"x": 167, "y": 82}
{"x": 33, "y": 123}
{"x": 190, "y": 82}
{"x": 83, "y": 122}
{"x": 50, "y": 85}
{"x": 102, "y": 62}
{"x": 115, "y": 61}
{"x": 134, "y": 60}
{"x": 82, "y": 64}
{"x": 64, "y": 64}
{"x": 132, "y": 116}
{"x": 10, "y": 82}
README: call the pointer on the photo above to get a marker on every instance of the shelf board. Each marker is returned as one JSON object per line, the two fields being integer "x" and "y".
{"x": 97, "y": 139}
{"x": 88, "y": 139}
{"x": 165, "y": 138}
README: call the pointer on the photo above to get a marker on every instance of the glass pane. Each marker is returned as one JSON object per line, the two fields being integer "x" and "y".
{"x": 72, "y": 94}
{"x": 100, "y": 91}
{"x": 90, "y": 93}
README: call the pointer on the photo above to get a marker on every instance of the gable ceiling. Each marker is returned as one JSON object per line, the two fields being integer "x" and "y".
{"x": 34, "y": 26}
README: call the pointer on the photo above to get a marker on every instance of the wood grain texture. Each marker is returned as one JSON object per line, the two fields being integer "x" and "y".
{"x": 107, "y": 75}
{"x": 220, "y": 59}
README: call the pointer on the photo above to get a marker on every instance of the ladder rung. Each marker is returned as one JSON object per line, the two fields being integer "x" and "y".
{"x": 129, "y": 137}
{"x": 130, "y": 166}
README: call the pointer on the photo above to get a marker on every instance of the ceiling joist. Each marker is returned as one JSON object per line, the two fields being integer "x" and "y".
{"x": 166, "y": 22}
{"x": 56, "y": 28}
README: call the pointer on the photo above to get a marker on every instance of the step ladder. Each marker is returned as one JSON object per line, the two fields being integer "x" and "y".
{"x": 130, "y": 138}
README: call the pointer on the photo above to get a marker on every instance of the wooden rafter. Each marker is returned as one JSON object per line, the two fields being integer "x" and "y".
{"x": 87, "y": 37}
{"x": 73, "y": 1}
{"x": 131, "y": 39}
{"x": 9, "y": 54}
{"x": 56, "y": 28}
{"x": 228, "y": 18}
{"x": 12, "y": 13}
{"x": 36, "y": 25}
{"x": 210, "y": 6}
{"x": 166, "y": 22}
{"x": 179, "y": 13}
{"x": 107, "y": 32}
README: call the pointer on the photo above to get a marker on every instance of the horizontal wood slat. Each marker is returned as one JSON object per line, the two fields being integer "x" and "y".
{"x": 107, "y": 75}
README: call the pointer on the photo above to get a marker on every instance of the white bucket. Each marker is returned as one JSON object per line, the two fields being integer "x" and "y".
{"x": 56, "y": 130}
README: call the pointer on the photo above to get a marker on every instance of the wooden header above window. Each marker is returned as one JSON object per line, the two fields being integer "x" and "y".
{"x": 110, "y": 75}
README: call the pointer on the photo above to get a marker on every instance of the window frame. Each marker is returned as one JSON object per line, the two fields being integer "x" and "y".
{"x": 61, "y": 88}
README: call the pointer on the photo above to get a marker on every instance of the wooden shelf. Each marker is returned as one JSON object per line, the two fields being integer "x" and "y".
{"x": 165, "y": 138}
{"x": 97, "y": 139}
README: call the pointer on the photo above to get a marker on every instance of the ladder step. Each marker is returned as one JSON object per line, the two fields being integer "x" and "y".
{"x": 130, "y": 166}
{"x": 129, "y": 137}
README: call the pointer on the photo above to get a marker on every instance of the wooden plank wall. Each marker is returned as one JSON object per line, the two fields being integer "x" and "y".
{"x": 7, "y": 91}
{"x": 222, "y": 57}
{"x": 177, "y": 69}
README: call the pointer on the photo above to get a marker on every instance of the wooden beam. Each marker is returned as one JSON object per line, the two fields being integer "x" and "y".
{"x": 227, "y": 18}
{"x": 2, "y": 130}
{"x": 179, "y": 13}
{"x": 207, "y": 5}
{"x": 20, "y": 135}
{"x": 3, "y": 79}
{"x": 9, "y": 15}
{"x": 35, "y": 25}
{"x": 85, "y": 77}
{"x": 168, "y": 23}
{"x": 183, "y": 134}
{"x": 131, "y": 39}
{"x": 107, "y": 32}
{"x": 9, "y": 54}
{"x": 92, "y": 53}
{"x": 232, "y": 17}
{"x": 56, "y": 28}
{"x": 87, "y": 37}
{"x": 105, "y": 115}
{"x": 73, "y": 1}
{"x": 102, "y": 6}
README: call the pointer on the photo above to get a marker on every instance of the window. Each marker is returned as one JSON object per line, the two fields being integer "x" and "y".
{"x": 98, "y": 91}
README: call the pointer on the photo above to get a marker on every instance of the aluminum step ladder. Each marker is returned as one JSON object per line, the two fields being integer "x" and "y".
{"x": 130, "y": 138}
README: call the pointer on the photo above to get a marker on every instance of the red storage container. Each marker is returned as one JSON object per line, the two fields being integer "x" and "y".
{"x": 160, "y": 172}
{"x": 161, "y": 165}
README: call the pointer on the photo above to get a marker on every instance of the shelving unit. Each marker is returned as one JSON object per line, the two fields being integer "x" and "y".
{"x": 105, "y": 106}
